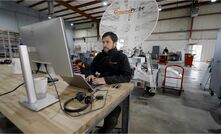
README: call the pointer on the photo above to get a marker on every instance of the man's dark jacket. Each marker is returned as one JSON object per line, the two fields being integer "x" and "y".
{"x": 113, "y": 66}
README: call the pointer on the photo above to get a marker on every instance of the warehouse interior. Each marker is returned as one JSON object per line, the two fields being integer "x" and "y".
{"x": 189, "y": 29}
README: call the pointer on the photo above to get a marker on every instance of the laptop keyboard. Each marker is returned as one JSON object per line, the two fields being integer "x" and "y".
{"x": 92, "y": 85}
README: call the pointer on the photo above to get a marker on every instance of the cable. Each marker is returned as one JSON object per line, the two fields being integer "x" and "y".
{"x": 81, "y": 113}
{"x": 59, "y": 100}
{"x": 13, "y": 89}
{"x": 94, "y": 109}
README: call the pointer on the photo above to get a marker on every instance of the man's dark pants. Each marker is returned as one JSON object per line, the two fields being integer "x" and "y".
{"x": 110, "y": 121}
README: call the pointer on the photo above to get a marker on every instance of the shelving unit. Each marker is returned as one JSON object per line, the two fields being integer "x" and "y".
{"x": 9, "y": 44}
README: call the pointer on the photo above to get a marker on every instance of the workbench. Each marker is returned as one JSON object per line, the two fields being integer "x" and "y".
{"x": 52, "y": 119}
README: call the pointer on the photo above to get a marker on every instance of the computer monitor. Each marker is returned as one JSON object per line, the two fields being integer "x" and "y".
{"x": 47, "y": 43}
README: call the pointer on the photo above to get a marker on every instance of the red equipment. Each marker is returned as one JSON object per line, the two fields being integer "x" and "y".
{"x": 188, "y": 60}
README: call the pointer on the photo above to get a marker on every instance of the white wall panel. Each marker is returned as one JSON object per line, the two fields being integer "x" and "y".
{"x": 7, "y": 22}
{"x": 12, "y": 16}
{"x": 169, "y": 36}
{"x": 207, "y": 22}
{"x": 173, "y": 25}
{"x": 210, "y": 8}
{"x": 208, "y": 49}
{"x": 169, "y": 14}
{"x": 85, "y": 33}
{"x": 204, "y": 35}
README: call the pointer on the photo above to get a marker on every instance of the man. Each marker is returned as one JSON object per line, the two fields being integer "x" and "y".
{"x": 108, "y": 67}
{"x": 165, "y": 51}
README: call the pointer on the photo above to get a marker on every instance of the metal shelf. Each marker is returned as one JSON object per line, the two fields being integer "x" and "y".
{"x": 8, "y": 44}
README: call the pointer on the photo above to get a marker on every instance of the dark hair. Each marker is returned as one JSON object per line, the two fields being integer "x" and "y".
{"x": 112, "y": 35}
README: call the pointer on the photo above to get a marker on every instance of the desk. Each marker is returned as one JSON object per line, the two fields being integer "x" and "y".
{"x": 52, "y": 119}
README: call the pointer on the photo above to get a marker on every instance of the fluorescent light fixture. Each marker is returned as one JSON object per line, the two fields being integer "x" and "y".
{"x": 72, "y": 24}
{"x": 121, "y": 40}
{"x": 213, "y": 0}
{"x": 159, "y": 8}
{"x": 105, "y": 3}
{"x": 49, "y": 17}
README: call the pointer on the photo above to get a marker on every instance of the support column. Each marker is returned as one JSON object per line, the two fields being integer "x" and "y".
{"x": 51, "y": 8}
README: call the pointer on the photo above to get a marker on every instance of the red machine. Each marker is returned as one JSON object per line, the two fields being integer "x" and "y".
{"x": 189, "y": 60}
{"x": 177, "y": 76}
{"x": 163, "y": 59}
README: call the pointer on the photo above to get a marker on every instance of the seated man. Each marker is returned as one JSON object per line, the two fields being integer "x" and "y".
{"x": 165, "y": 51}
{"x": 108, "y": 67}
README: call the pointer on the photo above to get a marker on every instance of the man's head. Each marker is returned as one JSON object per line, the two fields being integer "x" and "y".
{"x": 109, "y": 40}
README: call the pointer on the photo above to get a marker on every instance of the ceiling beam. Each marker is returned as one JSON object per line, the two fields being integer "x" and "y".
{"x": 175, "y": 3}
{"x": 19, "y": 1}
{"x": 83, "y": 19}
{"x": 73, "y": 17}
{"x": 181, "y": 31}
{"x": 79, "y": 6}
{"x": 80, "y": 20}
{"x": 61, "y": 10}
{"x": 56, "y": 5}
{"x": 174, "y": 8}
{"x": 68, "y": 6}
{"x": 83, "y": 10}
{"x": 38, "y": 3}
{"x": 85, "y": 22}
{"x": 180, "y": 17}
{"x": 96, "y": 7}
{"x": 160, "y": 0}
{"x": 81, "y": 16}
{"x": 66, "y": 14}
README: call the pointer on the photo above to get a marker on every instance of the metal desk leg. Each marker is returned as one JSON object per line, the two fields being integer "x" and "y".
{"x": 125, "y": 114}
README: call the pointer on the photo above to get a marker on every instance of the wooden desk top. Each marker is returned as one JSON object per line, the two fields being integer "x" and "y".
{"x": 52, "y": 119}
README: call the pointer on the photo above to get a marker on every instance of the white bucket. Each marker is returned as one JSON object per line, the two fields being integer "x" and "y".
{"x": 41, "y": 87}
{"x": 16, "y": 66}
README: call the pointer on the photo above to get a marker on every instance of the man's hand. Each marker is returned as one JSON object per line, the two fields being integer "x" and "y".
{"x": 90, "y": 78}
{"x": 99, "y": 81}
{"x": 76, "y": 68}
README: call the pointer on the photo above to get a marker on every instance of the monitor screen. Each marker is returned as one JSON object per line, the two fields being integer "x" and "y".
{"x": 47, "y": 42}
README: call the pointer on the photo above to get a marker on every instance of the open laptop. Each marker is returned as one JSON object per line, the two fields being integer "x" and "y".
{"x": 78, "y": 80}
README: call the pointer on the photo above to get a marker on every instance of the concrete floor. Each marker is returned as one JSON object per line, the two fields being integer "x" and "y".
{"x": 195, "y": 111}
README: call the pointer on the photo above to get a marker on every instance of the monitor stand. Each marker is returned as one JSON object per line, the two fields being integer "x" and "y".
{"x": 39, "y": 104}
{"x": 31, "y": 101}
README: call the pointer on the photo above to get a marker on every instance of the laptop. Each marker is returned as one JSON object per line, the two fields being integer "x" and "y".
{"x": 79, "y": 81}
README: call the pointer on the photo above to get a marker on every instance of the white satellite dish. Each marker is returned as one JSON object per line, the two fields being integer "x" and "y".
{"x": 132, "y": 20}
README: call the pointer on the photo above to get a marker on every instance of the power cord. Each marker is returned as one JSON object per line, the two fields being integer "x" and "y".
{"x": 59, "y": 99}
{"x": 13, "y": 89}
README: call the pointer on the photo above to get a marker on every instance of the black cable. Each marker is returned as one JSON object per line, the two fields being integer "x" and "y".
{"x": 38, "y": 67}
{"x": 94, "y": 109}
{"x": 13, "y": 89}
{"x": 59, "y": 100}
{"x": 81, "y": 113}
